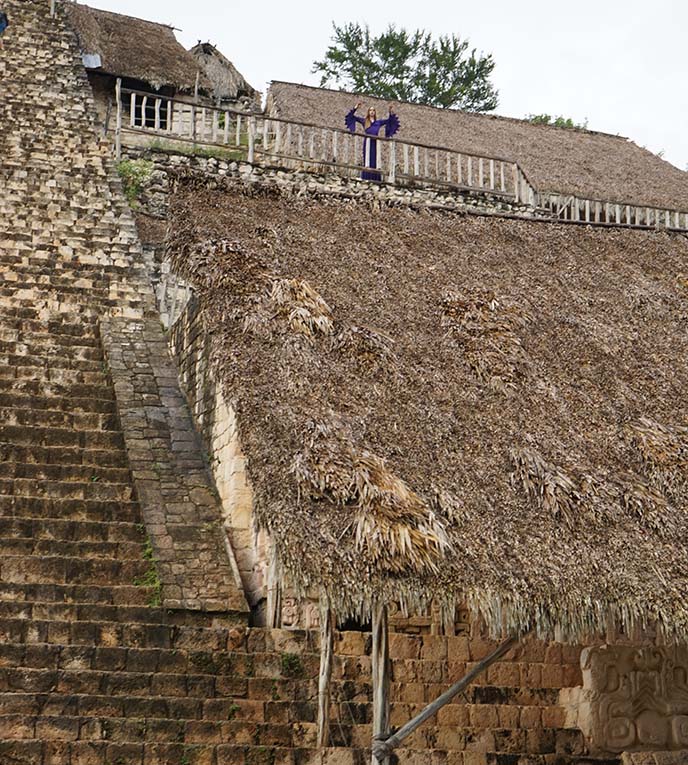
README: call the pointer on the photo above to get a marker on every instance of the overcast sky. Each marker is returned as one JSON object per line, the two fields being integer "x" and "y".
{"x": 620, "y": 64}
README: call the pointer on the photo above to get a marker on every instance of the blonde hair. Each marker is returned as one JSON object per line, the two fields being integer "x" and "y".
{"x": 368, "y": 122}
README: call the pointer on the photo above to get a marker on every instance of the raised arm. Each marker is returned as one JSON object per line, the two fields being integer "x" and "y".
{"x": 392, "y": 123}
{"x": 352, "y": 118}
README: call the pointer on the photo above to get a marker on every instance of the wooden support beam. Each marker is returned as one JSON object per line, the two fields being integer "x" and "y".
{"x": 381, "y": 684}
{"x": 383, "y": 746}
{"x": 118, "y": 124}
{"x": 327, "y": 625}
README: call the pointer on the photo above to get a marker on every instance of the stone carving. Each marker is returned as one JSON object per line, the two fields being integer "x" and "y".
{"x": 300, "y": 614}
{"x": 635, "y": 699}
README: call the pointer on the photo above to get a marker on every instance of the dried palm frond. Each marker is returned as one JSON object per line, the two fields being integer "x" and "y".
{"x": 372, "y": 350}
{"x": 546, "y": 484}
{"x": 487, "y": 331}
{"x": 295, "y": 305}
{"x": 307, "y": 313}
{"x": 391, "y": 523}
{"x": 663, "y": 451}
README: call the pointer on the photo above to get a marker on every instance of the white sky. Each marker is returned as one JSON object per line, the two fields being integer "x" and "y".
{"x": 622, "y": 64}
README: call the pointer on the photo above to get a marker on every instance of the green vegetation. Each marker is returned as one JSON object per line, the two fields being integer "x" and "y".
{"x": 562, "y": 122}
{"x": 134, "y": 173}
{"x": 151, "y": 578}
{"x": 292, "y": 666}
{"x": 409, "y": 66}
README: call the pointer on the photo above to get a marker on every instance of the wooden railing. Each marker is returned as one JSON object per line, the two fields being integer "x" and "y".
{"x": 589, "y": 210}
{"x": 259, "y": 138}
{"x": 303, "y": 145}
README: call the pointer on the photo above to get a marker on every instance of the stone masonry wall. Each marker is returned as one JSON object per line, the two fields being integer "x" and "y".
{"x": 216, "y": 421}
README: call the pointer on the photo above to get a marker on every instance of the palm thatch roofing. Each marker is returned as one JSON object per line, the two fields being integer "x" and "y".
{"x": 136, "y": 49}
{"x": 470, "y": 409}
{"x": 569, "y": 161}
{"x": 227, "y": 81}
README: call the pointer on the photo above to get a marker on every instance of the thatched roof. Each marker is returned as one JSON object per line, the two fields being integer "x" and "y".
{"x": 227, "y": 82}
{"x": 474, "y": 409}
{"x": 582, "y": 162}
{"x": 136, "y": 49}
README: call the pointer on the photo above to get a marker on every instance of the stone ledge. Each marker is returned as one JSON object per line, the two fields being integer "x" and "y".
{"x": 179, "y": 504}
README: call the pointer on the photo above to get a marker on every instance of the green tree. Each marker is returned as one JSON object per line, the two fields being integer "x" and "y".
{"x": 402, "y": 66}
{"x": 547, "y": 119}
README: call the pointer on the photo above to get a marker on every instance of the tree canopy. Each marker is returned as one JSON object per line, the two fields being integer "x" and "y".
{"x": 409, "y": 66}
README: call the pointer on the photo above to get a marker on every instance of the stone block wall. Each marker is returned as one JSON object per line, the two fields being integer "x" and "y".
{"x": 217, "y": 424}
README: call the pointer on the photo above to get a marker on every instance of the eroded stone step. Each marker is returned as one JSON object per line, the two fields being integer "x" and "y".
{"x": 73, "y": 531}
{"x": 94, "y": 490}
{"x": 63, "y": 456}
{"x": 17, "y": 400}
{"x": 63, "y": 473}
{"x": 48, "y": 418}
{"x": 122, "y": 595}
{"x": 62, "y": 437}
{"x": 69, "y": 509}
{"x": 71, "y": 570}
{"x": 55, "y": 548}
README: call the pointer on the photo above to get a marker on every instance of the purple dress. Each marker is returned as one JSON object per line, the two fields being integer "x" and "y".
{"x": 391, "y": 125}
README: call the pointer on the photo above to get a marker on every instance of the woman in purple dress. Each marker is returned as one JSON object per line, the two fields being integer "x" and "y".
{"x": 371, "y": 127}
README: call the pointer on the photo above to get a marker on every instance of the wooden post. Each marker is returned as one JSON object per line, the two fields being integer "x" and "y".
{"x": 52, "y": 8}
{"x": 266, "y": 129}
{"x": 492, "y": 174}
{"x": 502, "y": 183}
{"x": 274, "y": 604}
{"x": 416, "y": 161}
{"x": 132, "y": 110}
{"x": 382, "y": 748}
{"x": 459, "y": 170}
{"x": 587, "y": 211}
{"x": 515, "y": 174}
{"x": 237, "y": 141}
{"x": 335, "y": 152}
{"x": 118, "y": 124}
{"x": 469, "y": 170}
{"x": 426, "y": 166}
{"x": 169, "y": 115}
{"x": 251, "y": 139}
{"x": 481, "y": 173}
{"x": 327, "y": 626}
{"x": 406, "y": 159}
{"x": 392, "y": 162}
{"x": 225, "y": 138}
{"x": 158, "y": 102}
{"x": 449, "y": 164}
{"x": 380, "y": 676}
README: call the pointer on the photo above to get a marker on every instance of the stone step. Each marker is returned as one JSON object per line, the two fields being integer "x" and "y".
{"x": 54, "y": 374}
{"x": 150, "y": 730}
{"x": 93, "y": 490}
{"x": 60, "y": 569}
{"x": 63, "y": 456}
{"x": 59, "y": 529}
{"x": 35, "y": 333}
{"x": 53, "y": 358}
{"x": 116, "y": 595}
{"x": 46, "y": 418}
{"x": 49, "y": 389}
{"x": 106, "y": 511}
{"x": 43, "y": 346}
{"x": 116, "y": 658}
{"x": 63, "y": 473}
{"x": 61, "y": 548}
{"x": 74, "y": 404}
{"x": 108, "y": 634}
{"x": 119, "y": 683}
{"x": 81, "y": 612}
{"x": 36, "y": 751}
{"x": 20, "y": 435}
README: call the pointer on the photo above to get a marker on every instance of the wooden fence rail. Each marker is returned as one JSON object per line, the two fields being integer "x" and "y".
{"x": 300, "y": 145}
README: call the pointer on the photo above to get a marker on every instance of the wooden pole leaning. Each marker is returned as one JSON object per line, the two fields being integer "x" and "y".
{"x": 327, "y": 625}
{"x": 383, "y": 746}
{"x": 381, "y": 681}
